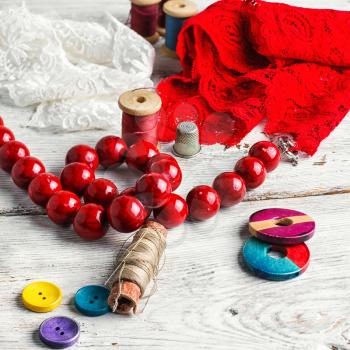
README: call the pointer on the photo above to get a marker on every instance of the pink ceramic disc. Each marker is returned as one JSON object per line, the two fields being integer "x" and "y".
{"x": 281, "y": 226}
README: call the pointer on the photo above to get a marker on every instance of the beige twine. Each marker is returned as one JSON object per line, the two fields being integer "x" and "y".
{"x": 139, "y": 263}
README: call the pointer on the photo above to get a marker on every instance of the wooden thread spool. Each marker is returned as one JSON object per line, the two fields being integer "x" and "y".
{"x": 136, "y": 268}
{"x": 177, "y": 12}
{"x": 161, "y": 19}
{"x": 140, "y": 115}
{"x": 144, "y": 18}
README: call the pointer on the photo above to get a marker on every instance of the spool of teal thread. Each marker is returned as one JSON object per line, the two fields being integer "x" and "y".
{"x": 173, "y": 27}
{"x": 176, "y": 12}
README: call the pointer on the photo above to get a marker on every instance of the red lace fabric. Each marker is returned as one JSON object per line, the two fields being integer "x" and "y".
{"x": 248, "y": 61}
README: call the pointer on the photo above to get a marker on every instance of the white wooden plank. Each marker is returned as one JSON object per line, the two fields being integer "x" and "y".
{"x": 205, "y": 300}
{"x": 92, "y": 8}
{"x": 83, "y": 9}
{"x": 327, "y": 172}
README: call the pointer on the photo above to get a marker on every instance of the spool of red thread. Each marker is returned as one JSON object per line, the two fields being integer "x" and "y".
{"x": 144, "y": 18}
{"x": 140, "y": 115}
{"x": 161, "y": 19}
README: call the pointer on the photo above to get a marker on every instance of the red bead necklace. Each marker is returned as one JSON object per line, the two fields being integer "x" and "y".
{"x": 153, "y": 191}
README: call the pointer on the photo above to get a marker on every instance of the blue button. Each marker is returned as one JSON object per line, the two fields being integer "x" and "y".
{"x": 92, "y": 300}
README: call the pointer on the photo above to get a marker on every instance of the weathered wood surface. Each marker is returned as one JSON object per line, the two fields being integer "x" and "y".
{"x": 206, "y": 299}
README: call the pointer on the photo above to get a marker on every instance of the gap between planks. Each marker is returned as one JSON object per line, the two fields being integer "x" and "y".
{"x": 35, "y": 211}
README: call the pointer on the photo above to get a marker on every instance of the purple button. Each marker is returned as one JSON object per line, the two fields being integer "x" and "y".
{"x": 59, "y": 332}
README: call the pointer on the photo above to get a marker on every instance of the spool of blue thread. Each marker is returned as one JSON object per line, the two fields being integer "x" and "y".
{"x": 176, "y": 12}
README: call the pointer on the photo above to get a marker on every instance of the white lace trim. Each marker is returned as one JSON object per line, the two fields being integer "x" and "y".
{"x": 74, "y": 71}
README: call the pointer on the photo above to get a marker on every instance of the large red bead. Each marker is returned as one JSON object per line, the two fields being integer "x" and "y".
{"x": 169, "y": 169}
{"x": 76, "y": 177}
{"x": 129, "y": 191}
{"x": 6, "y": 135}
{"x": 83, "y": 154}
{"x": 43, "y": 187}
{"x": 203, "y": 202}
{"x": 62, "y": 207}
{"x": 139, "y": 154}
{"x": 91, "y": 222}
{"x": 160, "y": 156}
{"x": 252, "y": 170}
{"x": 153, "y": 190}
{"x": 111, "y": 151}
{"x": 101, "y": 191}
{"x": 230, "y": 187}
{"x": 268, "y": 153}
{"x": 25, "y": 170}
{"x": 10, "y": 152}
{"x": 173, "y": 213}
{"x": 126, "y": 214}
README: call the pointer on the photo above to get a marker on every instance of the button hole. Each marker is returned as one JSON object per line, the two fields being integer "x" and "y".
{"x": 44, "y": 298}
{"x": 40, "y": 293}
{"x": 61, "y": 333}
{"x": 284, "y": 222}
{"x": 91, "y": 301}
{"x": 95, "y": 297}
{"x": 277, "y": 252}
{"x": 57, "y": 328}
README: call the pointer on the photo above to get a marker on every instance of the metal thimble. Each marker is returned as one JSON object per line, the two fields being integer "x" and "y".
{"x": 187, "y": 140}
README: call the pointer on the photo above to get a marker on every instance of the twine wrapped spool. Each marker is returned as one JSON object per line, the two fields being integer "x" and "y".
{"x": 144, "y": 18}
{"x": 140, "y": 115}
{"x": 177, "y": 12}
{"x": 161, "y": 19}
{"x": 137, "y": 267}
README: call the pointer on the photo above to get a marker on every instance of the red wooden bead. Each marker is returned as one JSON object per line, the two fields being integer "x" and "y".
{"x": 173, "y": 213}
{"x": 111, "y": 151}
{"x": 169, "y": 169}
{"x": 1, "y": 121}
{"x": 10, "y": 152}
{"x": 43, "y": 187}
{"x": 129, "y": 191}
{"x": 62, "y": 207}
{"x": 6, "y": 135}
{"x": 160, "y": 156}
{"x": 91, "y": 222}
{"x": 203, "y": 202}
{"x": 126, "y": 214}
{"x": 252, "y": 170}
{"x": 268, "y": 153}
{"x": 153, "y": 190}
{"x": 83, "y": 154}
{"x": 230, "y": 187}
{"x": 76, "y": 177}
{"x": 139, "y": 154}
{"x": 101, "y": 191}
{"x": 25, "y": 170}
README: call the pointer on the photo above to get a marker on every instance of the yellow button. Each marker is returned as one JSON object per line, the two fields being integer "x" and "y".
{"x": 41, "y": 296}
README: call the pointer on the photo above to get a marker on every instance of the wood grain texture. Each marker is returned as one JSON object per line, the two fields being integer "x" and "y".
{"x": 206, "y": 299}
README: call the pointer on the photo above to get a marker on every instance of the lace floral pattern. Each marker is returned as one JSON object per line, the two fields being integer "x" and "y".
{"x": 244, "y": 61}
{"x": 74, "y": 71}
